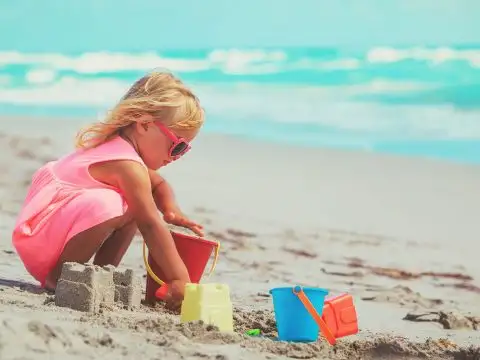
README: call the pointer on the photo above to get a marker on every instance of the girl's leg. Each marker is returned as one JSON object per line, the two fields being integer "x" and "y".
{"x": 115, "y": 234}
{"x": 116, "y": 245}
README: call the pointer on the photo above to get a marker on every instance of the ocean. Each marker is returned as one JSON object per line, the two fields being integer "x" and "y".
{"x": 420, "y": 101}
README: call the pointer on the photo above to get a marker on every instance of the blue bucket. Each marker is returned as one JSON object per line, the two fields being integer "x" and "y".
{"x": 294, "y": 322}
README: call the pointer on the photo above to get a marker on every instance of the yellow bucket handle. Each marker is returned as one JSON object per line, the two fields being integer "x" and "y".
{"x": 215, "y": 259}
{"x": 161, "y": 282}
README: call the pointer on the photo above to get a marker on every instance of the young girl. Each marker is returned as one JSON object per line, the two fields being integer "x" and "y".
{"x": 92, "y": 201}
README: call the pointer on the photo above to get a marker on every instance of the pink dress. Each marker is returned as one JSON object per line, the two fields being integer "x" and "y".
{"x": 63, "y": 200}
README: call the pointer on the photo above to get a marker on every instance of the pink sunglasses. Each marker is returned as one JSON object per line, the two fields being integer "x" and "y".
{"x": 179, "y": 147}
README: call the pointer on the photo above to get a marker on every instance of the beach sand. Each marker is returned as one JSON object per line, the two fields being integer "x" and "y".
{"x": 399, "y": 234}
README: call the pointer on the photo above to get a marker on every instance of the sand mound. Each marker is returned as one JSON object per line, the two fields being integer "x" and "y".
{"x": 164, "y": 330}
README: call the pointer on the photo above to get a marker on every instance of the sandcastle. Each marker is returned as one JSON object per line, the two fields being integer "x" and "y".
{"x": 88, "y": 287}
{"x": 210, "y": 303}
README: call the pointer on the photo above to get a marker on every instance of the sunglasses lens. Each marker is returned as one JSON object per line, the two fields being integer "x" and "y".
{"x": 179, "y": 149}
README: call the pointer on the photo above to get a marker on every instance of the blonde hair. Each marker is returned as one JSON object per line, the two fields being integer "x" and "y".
{"x": 159, "y": 94}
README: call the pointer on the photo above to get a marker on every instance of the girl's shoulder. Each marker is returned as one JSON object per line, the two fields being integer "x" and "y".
{"x": 116, "y": 148}
{"x": 91, "y": 166}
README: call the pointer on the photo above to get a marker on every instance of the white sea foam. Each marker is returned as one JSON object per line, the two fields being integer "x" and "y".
{"x": 233, "y": 61}
{"x": 51, "y": 89}
{"x": 301, "y": 105}
{"x": 68, "y": 91}
{"x": 435, "y": 56}
{"x": 40, "y": 76}
{"x": 51, "y": 79}
{"x": 89, "y": 63}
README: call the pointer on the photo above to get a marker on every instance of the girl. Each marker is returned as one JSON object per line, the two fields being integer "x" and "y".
{"x": 91, "y": 202}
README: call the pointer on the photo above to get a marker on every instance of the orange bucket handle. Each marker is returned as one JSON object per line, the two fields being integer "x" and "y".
{"x": 324, "y": 329}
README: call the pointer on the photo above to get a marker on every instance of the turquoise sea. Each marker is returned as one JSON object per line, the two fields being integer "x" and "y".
{"x": 399, "y": 76}
{"x": 412, "y": 100}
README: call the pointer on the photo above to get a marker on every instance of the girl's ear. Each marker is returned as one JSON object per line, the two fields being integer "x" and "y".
{"x": 143, "y": 123}
{"x": 140, "y": 127}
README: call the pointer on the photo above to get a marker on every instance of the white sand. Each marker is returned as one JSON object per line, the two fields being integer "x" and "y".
{"x": 323, "y": 218}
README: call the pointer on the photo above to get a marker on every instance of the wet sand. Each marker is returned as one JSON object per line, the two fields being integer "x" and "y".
{"x": 399, "y": 234}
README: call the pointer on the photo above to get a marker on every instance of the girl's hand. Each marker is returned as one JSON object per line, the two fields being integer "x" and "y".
{"x": 176, "y": 295}
{"x": 176, "y": 217}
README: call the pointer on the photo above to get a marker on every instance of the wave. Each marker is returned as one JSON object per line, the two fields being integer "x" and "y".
{"x": 42, "y": 86}
{"x": 45, "y": 88}
{"x": 300, "y": 112}
{"x": 464, "y": 96}
{"x": 433, "y": 55}
{"x": 411, "y": 99}
{"x": 237, "y": 62}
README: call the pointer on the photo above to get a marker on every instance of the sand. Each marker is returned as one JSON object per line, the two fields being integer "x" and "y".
{"x": 399, "y": 234}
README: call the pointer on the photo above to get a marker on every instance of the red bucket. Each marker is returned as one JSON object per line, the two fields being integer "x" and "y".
{"x": 195, "y": 253}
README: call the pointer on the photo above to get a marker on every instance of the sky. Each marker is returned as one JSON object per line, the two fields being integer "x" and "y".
{"x": 139, "y": 25}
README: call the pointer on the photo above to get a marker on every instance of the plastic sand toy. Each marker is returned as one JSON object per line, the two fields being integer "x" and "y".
{"x": 195, "y": 253}
{"x": 340, "y": 315}
{"x": 209, "y": 303}
{"x": 298, "y": 314}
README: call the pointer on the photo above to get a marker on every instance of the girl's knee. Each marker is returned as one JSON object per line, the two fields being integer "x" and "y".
{"x": 127, "y": 224}
{"x": 119, "y": 222}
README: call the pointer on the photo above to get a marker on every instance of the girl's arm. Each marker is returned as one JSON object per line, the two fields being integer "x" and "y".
{"x": 134, "y": 182}
{"x": 165, "y": 200}
{"x": 162, "y": 193}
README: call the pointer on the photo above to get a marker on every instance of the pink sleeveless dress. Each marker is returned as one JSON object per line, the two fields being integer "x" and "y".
{"x": 63, "y": 200}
